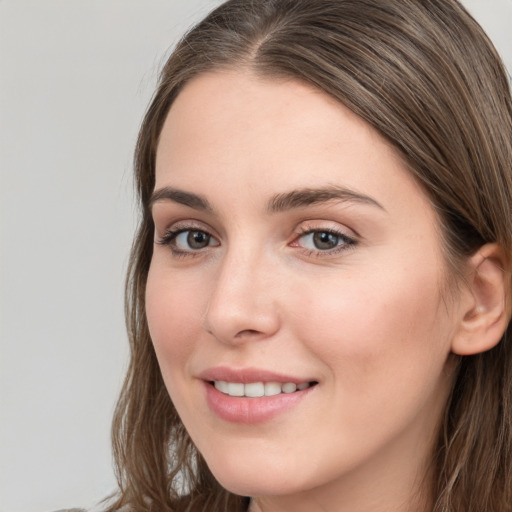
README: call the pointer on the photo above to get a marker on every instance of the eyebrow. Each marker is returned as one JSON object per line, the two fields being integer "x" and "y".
{"x": 279, "y": 203}
{"x": 310, "y": 196}
{"x": 189, "y": 199}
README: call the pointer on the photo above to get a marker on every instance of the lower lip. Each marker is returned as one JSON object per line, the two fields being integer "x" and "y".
{"x": 251, "y": 410}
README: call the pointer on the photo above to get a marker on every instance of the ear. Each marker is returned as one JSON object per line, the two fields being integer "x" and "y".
{"x": 485, "y": 305}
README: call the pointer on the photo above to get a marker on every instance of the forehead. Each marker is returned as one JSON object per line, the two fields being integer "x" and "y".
{"x": 282, "y": 128}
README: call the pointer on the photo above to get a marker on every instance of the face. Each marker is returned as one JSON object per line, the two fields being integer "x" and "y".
{"x": 295, "y": 296}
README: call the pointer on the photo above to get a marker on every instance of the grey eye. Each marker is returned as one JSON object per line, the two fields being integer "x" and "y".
{"x": 322, "y": 240}
{"x": 193, "y": 240}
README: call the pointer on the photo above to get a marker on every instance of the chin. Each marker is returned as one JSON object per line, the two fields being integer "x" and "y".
{"x": 247, "y": 478}
{"x": 254, "y": 485}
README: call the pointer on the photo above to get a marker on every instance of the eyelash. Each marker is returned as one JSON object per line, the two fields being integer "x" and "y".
{"x": 346, "y": 242}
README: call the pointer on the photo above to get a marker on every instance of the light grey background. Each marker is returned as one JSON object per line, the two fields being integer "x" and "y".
{"x": 75, "y": 78}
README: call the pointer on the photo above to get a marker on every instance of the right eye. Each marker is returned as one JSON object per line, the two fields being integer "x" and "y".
{"x": 185, "y": 241}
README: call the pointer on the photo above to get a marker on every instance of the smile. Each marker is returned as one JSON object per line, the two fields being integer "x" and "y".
{"x": 257, "y": 401}
{"x": 259, "y": 389}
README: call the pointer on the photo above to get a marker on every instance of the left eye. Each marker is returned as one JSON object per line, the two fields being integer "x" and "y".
{"x": 324, "y": 240}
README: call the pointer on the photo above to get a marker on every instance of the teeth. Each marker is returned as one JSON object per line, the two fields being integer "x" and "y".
{"x": 235, "y": 389}
{"x": 258, "y": 389}
{"x": 255, "y": 389}
{"x": 222, "y": 386}
{"x": 272, "y": 388}
{"x": 289, "y": 387}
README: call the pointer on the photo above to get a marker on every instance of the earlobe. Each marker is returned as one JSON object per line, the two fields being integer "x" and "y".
{"x": 485, "y": 313}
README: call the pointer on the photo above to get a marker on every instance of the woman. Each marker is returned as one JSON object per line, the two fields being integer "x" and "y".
{"x": 319, "y": 293}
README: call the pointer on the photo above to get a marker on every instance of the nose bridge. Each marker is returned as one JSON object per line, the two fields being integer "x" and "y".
{"x": 242, "y": 301}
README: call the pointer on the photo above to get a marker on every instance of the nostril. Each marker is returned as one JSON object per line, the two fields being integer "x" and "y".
{"x": 247, "y": 332}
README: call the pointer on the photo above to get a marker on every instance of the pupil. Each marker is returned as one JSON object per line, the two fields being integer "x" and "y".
{"x": 198, "y": 239}
{"x": 324, "y": 240}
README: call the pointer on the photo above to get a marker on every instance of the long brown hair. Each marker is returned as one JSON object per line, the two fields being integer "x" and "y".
{"x": 425, "y": 76}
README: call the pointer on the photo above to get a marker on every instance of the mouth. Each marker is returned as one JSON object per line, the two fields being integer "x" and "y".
{"x": 259, "y": 389}
{"x": 253, "y": 395}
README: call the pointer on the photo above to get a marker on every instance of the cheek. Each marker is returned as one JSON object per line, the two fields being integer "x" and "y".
{"x": 174, "y": 312}
{"x": 384, "y": 346}
{"x": 377, "y": 327}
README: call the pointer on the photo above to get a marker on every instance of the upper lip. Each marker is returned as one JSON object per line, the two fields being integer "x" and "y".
{"x": 247, "y": 375}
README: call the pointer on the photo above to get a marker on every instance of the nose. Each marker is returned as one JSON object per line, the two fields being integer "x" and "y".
{"x": 242, "y": 304}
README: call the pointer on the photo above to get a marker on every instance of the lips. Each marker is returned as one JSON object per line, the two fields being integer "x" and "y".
{"x": 252, "y": 395}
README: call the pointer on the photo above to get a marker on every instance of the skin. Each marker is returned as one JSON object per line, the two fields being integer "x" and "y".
{"x": 369, "y": 321}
